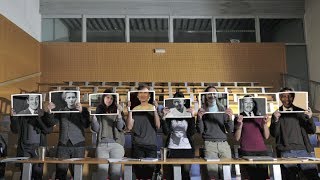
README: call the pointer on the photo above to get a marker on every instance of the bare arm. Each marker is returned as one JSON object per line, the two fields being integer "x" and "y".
{"x": 238, "y": 131}
{"x": 266, "y": 132}
{"x": 156, "y": 119}
{"x": 130, "y": 120}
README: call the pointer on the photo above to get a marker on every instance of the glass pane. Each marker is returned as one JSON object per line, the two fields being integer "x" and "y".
{"x": 282, "y": 30}
{"x": 149, "y": 30}
{"x": 192, "y": 30}
{"x": 62, "y": 29}
{"x": 297, "y": 64}
{"x": 106, "y": 30}
{"x": 236, "y": 30}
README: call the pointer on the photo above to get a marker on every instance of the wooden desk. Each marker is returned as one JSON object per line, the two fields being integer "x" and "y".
{"x": 226, "y": 163}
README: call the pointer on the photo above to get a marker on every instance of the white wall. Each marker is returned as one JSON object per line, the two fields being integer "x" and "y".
{"x": 23, "y": 13}
{"x": 312, "y": 29}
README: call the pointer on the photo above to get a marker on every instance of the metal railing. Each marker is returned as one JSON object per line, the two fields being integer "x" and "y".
{"x": 299, "y": 84}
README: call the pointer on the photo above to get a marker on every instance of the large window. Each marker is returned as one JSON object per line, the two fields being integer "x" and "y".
{"x": 291, "y": 32}
{"x": 62, "y": 29}
{"x": 106, "y": 30}
{"x": 149, "y": 30}
{"x": 282, "y": 30}
{"x": 192, "y": 30}
{"x": 235, "y": 30}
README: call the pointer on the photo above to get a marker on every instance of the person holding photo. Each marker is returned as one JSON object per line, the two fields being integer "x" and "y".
{"x": 144, "y": 126}
{"x": 110, "y": 135}
{"x": 32, "y": 131}
{"x": 214, "y": 128}
{"x": 179, "y": 133}
{"x": 251, "y": 132}
{"x": 291, "y": 133}
{"x": 71, "y": 132}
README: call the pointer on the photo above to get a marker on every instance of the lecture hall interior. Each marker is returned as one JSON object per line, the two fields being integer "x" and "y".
{"x": 239, "y": 46}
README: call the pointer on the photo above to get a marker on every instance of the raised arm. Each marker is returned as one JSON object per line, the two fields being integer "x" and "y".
{"x": 14, "y": 122}
{"x": 199, "y": 123}
{"x": 238, "y": 127}
{"x": 275, "y": 124}
{"x": 130, "y": 120}
{"x": 266, "y": 132}
{"x": 229, "y": 124}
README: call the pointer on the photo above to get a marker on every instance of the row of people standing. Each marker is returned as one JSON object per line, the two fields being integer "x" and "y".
{"x": 290, "y": 133}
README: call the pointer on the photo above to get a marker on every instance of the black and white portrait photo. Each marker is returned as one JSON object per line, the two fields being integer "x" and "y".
{"x": 104, "y": 103}
{"x": 141, "y": 100}
{"x": 214, "y": 102}
{"x": 252, "y": 107}
{"x": 293, "y": 102}
{"x": 178, "y": 107}
{"x": 178, "y": 138}
{"x": 65, "y": 101}
{"x": 26, "y": 104}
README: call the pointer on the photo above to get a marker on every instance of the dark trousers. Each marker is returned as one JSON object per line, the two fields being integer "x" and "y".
{"x": 37, "y": 169}
{"x": 144, "y": 171}
{"x": 298, "y": 171}
{"x": 185, "y": 169}
{"x": 66, "y": 152}
{"x": 255, "y": 171}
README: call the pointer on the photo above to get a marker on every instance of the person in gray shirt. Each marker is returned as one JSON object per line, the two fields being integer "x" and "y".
{"x": 71, "y": 133}
{"x": 110, "y": 135}
{"x": 144, "y": 127}
{"x": 214, "y": 128}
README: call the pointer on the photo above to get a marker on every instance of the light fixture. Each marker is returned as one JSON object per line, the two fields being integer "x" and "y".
{"x": 159, "y": 50}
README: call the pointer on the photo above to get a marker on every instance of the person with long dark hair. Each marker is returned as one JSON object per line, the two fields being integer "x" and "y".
{"x": 110, "y": 135}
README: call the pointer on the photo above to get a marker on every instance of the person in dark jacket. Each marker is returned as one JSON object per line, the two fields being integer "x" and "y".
{"x": 71, "y": 133}
{"x": 214, "y": 128}
{"x": 32, "y": 131}
{"x": 291, "y": 133}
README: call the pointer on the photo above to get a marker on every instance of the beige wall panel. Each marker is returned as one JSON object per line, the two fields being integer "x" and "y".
{"x": 181, "y": 62}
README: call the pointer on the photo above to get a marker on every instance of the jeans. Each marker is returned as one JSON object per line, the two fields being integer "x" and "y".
{"x": 216, "y": 150}
{"x": 109, "y": 150}
{"x": 290, "y": 171}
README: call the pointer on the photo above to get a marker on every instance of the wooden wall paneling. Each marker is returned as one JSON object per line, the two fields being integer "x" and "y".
{"x": 19, "y": 52}
{"x": 182, "y": 62}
